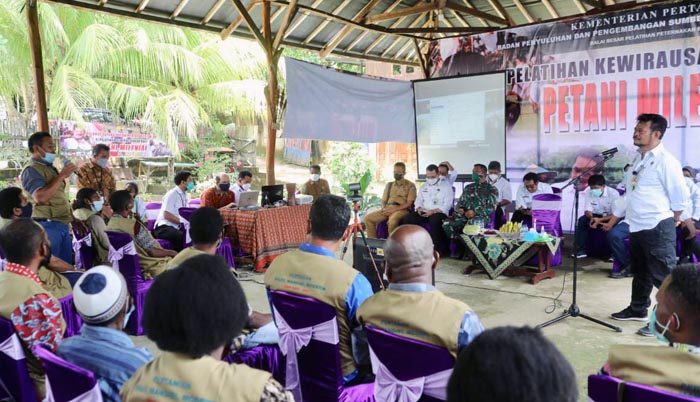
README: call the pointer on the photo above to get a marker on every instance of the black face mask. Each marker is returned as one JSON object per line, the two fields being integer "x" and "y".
{"x": 26, "y": 211}
{"x": 47, "y": 257}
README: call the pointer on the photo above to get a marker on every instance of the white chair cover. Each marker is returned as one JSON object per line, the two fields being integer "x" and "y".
{"x": 115, "y": 256}
{"x": 92, "y": 395}
{"x": 388, "y": 388}
{"x": 12, "y": 347}
{"x": 292, "y": 340}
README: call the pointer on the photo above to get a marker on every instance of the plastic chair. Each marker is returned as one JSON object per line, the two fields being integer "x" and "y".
{"x": 309, "y": 339}
{"x": 83, "y": 250}
{"x": 122, "y": 255}
{"x": 13, "y": 366}
{"x": 66, "y": 382}
{"x": 405, "y": 366}
{"x": 603, "y": 388}
{"x": 70, "y": 316}
{"x": 546, "y": 211}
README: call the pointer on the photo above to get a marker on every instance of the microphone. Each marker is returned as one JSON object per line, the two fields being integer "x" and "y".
{"x": 608, "y": 152}
{"x": 67, "y": 161}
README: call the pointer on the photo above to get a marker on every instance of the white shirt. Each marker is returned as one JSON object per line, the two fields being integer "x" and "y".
{"x": 523, "y": 198}
{"x": 694, "y": 190}
{"x": 238, "y": 189}
{"x": 504, "y": 191}
{"x": 173, "y": 200}
{"x": 657, "y": 190}
{"x": 604, "y": 204}
{"x": 436, "y": 196}
{"x": 450, "y": 178}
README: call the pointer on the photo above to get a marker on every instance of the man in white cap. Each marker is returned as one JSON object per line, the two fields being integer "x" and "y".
{"x": 102, "y": 300}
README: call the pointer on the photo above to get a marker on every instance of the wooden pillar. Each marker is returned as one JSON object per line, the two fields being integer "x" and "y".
{"x": 35, "y": 49}
{"x": 271, "y": 95}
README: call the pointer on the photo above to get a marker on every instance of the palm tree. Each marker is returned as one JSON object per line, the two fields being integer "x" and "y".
{"x": 172, "y": 81}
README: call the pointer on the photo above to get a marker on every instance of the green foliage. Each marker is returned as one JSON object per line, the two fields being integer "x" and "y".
{"x": 350, "y": 163}
{"x": 313, "y": 57}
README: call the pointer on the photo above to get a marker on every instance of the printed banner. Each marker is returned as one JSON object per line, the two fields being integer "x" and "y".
{"x": 78, "y": 141}
{"x": 576, "y": 87}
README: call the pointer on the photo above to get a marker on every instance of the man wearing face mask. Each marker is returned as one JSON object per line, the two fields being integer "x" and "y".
{"x": 219, "y": 196}
{"x": 398, "y": 197}
{"x": 14, "y": 205}
{"x": 316, "y": 185}
{"x": 598, "y": 208}
{"x": 478, "y": 201}
{"x": 505, "y": 193}
{"x": 245, "y": 178}
{"x": 674, "y": 321}
{"x": 95, "y": 173}
{"x": 34, "y": 312}
{"x": 432, "y": 204}
{"x": 447, "y": 172}
{"x": 47, "y": 188}
{"x": 102, "y": 300}
{"x": 168, "y": 223}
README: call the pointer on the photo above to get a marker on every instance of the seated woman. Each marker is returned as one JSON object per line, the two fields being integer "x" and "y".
{"x": 152, "y": 257}
{"x": 139, "y": 209}
{"x": 88, "y": 207}
{"x": 193, "y": 335}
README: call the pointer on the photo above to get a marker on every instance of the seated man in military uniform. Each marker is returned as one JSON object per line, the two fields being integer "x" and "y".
{"x": 398, "y": 198}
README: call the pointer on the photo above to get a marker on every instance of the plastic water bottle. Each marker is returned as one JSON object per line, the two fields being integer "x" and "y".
{"x": 523, "y": 231}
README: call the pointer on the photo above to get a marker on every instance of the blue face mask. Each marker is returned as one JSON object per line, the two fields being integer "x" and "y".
{"x": 190, "y": 186}
{"x": 27, "y": 211}
{"x": 225, "y": 187}
{"x": 49, "y": 157}
{"x": 97, "y": 205}
{"x": 597, "y": 192}
{"x": 660, "y": 336}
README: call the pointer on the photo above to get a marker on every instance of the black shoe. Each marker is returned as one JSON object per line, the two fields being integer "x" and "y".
{"x": 579, "y": 254}
{"x": 623, "y": 273}
{"x": 628, "y": 315}
{"x": 644, "y": 331}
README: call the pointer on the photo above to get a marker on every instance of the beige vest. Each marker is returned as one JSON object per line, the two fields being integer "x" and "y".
{"x": 429, "y": 317}
{"x": 183, "y": 256}
{"x": 150, "y": 266}
{"x": 175, "y": 377}
{"x": 659, "y": 366}
{"x": 58, "y": 208}
{"x": 325, "y": 279}
{"x": 15, "y": 290}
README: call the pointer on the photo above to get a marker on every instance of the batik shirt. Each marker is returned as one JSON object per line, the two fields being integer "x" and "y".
{"x": 98, "y": 178}
{"x": 482, "y": 198}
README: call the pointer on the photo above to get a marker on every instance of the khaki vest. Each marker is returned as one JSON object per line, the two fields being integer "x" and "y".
{"x": 175, "y": 377}
{"x": 429, "y": 317}
{"x": 323, "y": 278}
{"x": 16, "y": 290}
{"x": 659, "y": 366}
{"x": 150, "y": 266}
{"x": 58, "y": 208}
{"x": 183, "y": 256}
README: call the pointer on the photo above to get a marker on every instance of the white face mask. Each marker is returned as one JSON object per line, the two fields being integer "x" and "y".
{"x": 315, "y": 177}
{"x": 432, "y": 182}
{"x": 494, "y": 177}
{"x": 246, "y": 186}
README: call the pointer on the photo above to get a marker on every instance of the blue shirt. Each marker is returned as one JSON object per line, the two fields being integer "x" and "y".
{"x": 108, "y": 353}
{"x": 31, "y": 179}
{"x": 471, "y": 325}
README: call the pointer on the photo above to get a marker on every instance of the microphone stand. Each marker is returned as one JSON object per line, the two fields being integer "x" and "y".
{"x": 574, "y": 310}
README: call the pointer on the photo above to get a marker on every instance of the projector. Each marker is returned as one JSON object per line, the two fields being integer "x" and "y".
{"x": 302, "y": 199}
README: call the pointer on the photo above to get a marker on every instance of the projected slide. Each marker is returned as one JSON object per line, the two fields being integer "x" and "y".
{"x": 461, "y": 120}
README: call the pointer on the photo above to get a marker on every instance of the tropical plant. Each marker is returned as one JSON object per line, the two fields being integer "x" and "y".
{"x": 170, "y": 80}
{"x": 350, "y": 163}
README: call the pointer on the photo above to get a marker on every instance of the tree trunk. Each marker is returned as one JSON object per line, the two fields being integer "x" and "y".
{"x": 37, "y": 60}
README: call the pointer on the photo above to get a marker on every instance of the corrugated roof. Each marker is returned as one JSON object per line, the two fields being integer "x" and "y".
{"x": 383, "y": 30}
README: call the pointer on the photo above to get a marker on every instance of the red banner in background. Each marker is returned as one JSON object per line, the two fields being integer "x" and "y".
{"x": 128, "y": 142}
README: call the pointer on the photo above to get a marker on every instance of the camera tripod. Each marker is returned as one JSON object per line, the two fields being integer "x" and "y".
{"x": 355, "y": 228}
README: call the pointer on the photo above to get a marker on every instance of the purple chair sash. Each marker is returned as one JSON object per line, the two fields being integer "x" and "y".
{"x": 546, "y": 210}
{"x": 14, "y": 376}
{"x": 116, "y": 255}
{"x": 152, "y": 211}
{"x": 226, "y": 250}
{"x": 66, "y": 382}
{"x": 70, "y": 316}
{"x": 83, "y": 251}
{"x": 408, "y": 370}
